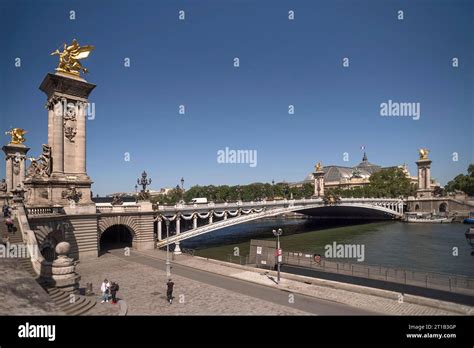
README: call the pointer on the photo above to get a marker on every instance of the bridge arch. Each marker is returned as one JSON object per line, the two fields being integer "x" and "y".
{"x": 345, "y": 208}
{"x": 443, "y": 207}
{"x": 116, "y": 232}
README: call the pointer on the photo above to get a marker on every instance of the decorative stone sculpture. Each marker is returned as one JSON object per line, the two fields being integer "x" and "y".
{"x": 41, "y": 166}
{"x": 117, "y": 200}
{"x": 64, "y": 269}
{"x": 72, "y": 194}
{"x": 3, "y": 186}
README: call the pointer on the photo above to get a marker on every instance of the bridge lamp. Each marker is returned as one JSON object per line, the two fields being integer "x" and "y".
{"x": 278, "y": 233}
{"x": 168, "y": 265}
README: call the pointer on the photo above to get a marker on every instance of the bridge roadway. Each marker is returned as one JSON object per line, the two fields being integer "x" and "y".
{"x": 308, "y": 304}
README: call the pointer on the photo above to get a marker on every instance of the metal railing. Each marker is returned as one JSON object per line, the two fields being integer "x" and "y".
{"x": 432, "y": 280}
{"x": 238, "y": 259}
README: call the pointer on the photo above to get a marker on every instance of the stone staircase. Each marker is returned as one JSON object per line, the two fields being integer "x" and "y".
{"x": 70, "y": 304}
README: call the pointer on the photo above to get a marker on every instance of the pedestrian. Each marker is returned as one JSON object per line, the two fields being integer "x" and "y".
{"x": 105, "y": 288}
{"x": 114, "y": 288}
{"x": 5, "y": 239}
{"x": 6, "y": 211}
{"x": 169, "y": 291}
{"x": 9, "y": 223}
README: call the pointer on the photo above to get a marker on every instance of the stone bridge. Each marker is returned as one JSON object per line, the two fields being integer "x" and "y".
{"x": 142, "y": 226}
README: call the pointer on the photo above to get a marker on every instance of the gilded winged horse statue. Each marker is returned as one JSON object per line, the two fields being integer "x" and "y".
{"x": 69, "y": 58}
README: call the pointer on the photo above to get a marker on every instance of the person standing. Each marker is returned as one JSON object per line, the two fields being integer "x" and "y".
{"x": 5, "y": 239}
{"x": 114, "y": 288}
{"x": 105, "y": 288}
{"x": 6, "y": 211}
{"x": 169, "y": 291}
{"x": 9, "y": 223}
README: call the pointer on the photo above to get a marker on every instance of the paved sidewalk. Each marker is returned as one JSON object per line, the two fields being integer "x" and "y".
{"x": 144, "y": 289}
{"x": 365, "y": 301}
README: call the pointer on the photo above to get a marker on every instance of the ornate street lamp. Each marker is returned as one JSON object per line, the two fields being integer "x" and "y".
{"x": 278, "y": 233}
{"x": 144, "y": 182}
{"x": 168, "y": 265}
{"x": 182, "y": 184}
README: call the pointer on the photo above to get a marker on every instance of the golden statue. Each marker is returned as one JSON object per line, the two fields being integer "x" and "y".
{"x": 69, "y": 58}
{"x": 424, "y": 153}
{"x": 17, "y": 135}
{"x": 318, "y": 167}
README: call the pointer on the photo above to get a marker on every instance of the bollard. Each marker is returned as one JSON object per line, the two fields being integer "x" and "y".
{"x": 352, "y": 269}
{"x": 89, "y": 289}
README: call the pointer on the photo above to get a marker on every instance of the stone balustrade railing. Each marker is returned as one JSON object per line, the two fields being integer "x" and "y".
{"x": 117, "y": 208}
{"x": 44, "y": 211}
{"x": 41, "y": 267}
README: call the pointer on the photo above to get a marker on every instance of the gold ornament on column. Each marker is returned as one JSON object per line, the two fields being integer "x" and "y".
{"x": 424, "y": 153}
{"x": 318, "y": 167}
{"x": 17, "y": 135}
{"x": 69, "y": 58}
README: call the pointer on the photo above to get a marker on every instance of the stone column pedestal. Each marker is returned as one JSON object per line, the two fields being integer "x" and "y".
{"x": 318, "y": 176}
{"x": 15, "y": 156}
{"x": 424, "y": 178}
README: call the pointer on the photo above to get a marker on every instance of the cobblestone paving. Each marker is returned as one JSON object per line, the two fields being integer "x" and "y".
{"x": 144, "y": 290}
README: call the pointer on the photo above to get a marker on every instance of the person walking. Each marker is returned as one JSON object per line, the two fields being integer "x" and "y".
{"x": 114, "y": 288}
{"x": 9, "y": 223}
{"x": 169, "y": 291}
{"x": 105, "y": 288}
{"x": 6, "y": 211}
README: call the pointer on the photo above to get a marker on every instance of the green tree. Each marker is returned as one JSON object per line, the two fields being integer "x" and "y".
{"x": 462, "y": 182}
{"x": 390, "y": 182}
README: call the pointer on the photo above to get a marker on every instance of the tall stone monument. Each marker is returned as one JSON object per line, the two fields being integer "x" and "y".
{"x": 318, "y": 176}
{"x": 15, "y": 156}
{"x": 424, "y": 175}
{"x": 59, "y": 175}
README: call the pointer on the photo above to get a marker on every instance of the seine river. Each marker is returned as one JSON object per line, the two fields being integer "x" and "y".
{"x": 424, "y": 247}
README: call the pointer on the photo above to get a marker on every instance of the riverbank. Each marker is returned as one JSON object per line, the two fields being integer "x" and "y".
{"x": 424, "y": 247}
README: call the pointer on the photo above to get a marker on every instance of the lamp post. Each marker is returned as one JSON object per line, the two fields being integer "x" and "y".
{"x": 182, "y": 184}
{"x": 168, "y": 265}
{"x": 278, "y": 233}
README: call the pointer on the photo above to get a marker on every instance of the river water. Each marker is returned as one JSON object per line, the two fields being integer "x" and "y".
{"x": 423, "y": 247}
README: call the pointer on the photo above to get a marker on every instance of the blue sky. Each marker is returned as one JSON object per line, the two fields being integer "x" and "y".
{"x": 282, "y": 62}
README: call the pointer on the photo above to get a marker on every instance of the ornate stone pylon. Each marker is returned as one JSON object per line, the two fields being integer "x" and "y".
{"x": 424, "y": 175}
{"x": 59, "y": 175}
{"x": 318, "y": 176}
{"x": 15, "y": 156}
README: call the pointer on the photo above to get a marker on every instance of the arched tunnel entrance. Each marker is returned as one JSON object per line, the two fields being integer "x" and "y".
{"x": 115, "y": 237}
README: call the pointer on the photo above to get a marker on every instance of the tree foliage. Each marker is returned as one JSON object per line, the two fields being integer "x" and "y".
{"x": 462, "y": 182}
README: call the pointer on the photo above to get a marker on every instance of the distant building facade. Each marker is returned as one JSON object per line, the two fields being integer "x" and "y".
{"x": 357, "y": 176}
